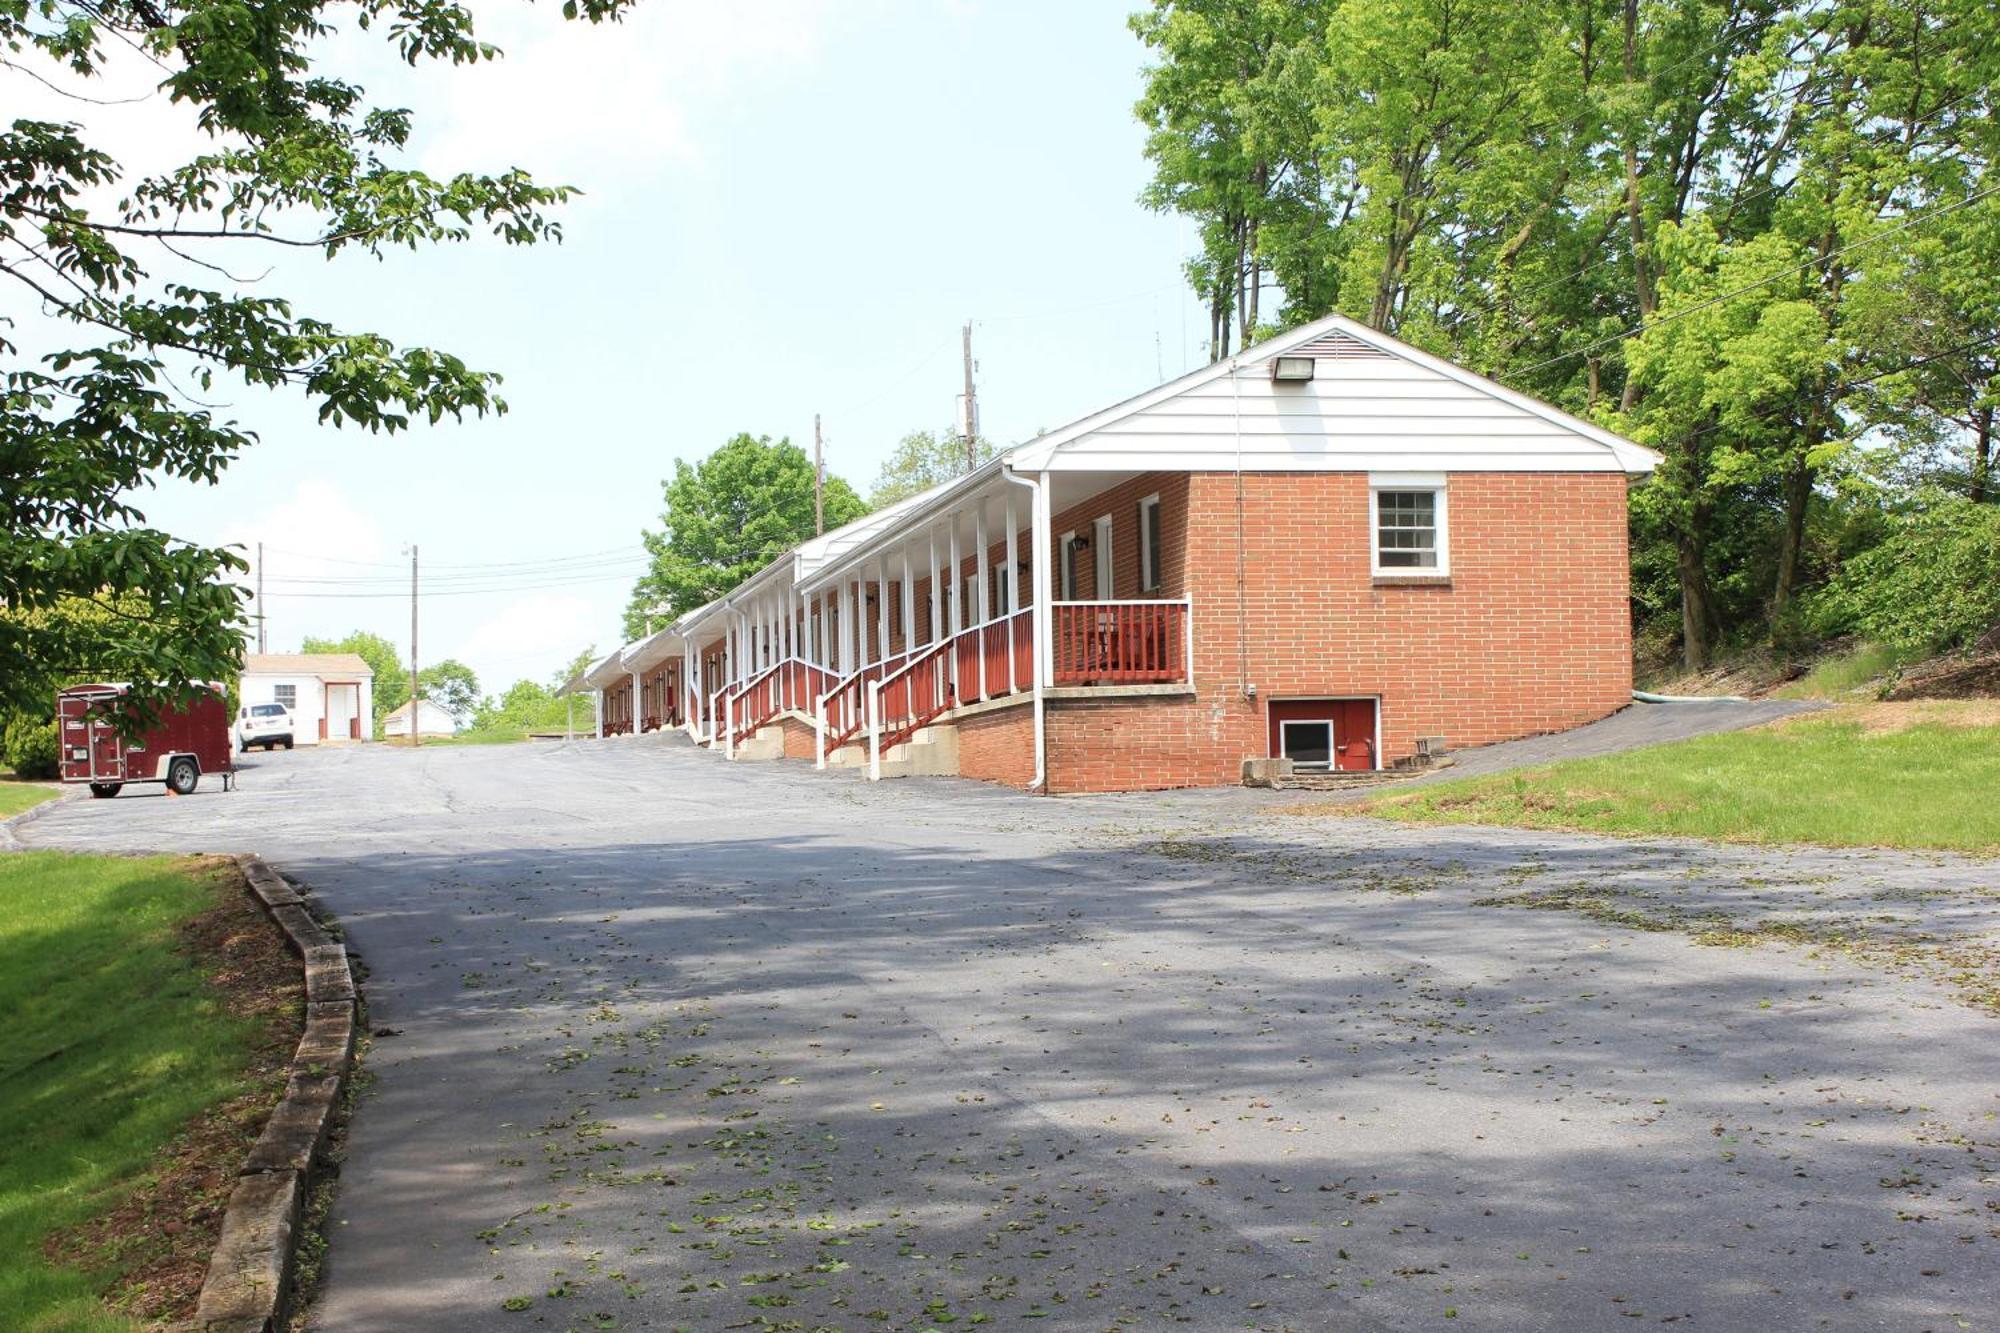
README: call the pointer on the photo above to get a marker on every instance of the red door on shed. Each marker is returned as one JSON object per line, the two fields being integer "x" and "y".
{"x": 1324, "y": 733}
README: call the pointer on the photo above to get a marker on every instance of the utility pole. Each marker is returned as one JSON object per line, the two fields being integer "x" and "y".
{"x": 819, "y": 482}
{"x": 416, "y": 732}
{"x": 260, "y": 598}
{"x": 971, "y": 407}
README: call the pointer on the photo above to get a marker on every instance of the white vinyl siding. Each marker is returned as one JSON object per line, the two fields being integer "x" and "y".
{"x": 1358, "y": 415}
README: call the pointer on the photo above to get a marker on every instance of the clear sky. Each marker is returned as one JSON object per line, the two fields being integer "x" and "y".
{"x": 791, "y": 207}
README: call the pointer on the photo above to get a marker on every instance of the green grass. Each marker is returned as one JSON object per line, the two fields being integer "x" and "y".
{"x": 1821, "y": 780}
{"x": 109, "y": 1043}
{"x": 17, "y": 795}
{"x": 1840, "y": 676}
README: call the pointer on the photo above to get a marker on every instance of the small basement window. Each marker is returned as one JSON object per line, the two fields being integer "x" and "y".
{"x": 1410, "y": 530}
{"x": 1307, "y": 744}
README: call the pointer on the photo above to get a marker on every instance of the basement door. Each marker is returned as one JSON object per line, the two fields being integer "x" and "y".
{"x": 1324, "y": 734}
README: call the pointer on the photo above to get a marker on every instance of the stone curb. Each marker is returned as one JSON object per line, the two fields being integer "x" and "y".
{"x": 10, "y": 843}
{"x": 250, "y": 1273}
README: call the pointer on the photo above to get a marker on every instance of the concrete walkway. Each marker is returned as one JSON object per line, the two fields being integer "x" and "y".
{"x": 685, "y": 1044}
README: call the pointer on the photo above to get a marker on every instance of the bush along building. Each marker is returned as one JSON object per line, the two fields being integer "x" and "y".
{"x": 1331, "y": 549}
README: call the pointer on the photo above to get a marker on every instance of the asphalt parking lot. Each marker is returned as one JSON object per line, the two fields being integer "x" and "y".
{"x": 675, "y": 1043}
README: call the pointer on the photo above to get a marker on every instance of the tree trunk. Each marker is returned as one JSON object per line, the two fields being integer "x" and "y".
{"x": 1982, "y": 456}
{"x": 1792, "y": 540}
{"x": 1697, "y": 608}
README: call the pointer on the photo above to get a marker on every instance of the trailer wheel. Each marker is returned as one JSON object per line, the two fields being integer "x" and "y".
{"x": 182, "y": 775}
{"x": 105, "y": 790}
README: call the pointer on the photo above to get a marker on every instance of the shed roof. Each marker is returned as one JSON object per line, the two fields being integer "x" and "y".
{"x": 306, "y": 664}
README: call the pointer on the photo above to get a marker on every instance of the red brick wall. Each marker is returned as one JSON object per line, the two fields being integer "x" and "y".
{"x": 1531, "y": 635}
{"x": 801, "y": 740}
{"x": 998, "y": 746}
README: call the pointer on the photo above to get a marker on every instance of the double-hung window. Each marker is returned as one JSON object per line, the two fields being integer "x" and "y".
{"x": 288, "y": 695}
{"x": 1409, "y": 523}
{"x": 1066, "y": 568}
{"x": 1149, "y": 544}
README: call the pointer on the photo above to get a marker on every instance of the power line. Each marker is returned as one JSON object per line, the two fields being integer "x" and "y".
{"x": 501, "y": 590}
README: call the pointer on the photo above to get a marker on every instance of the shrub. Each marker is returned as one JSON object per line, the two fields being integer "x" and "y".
{"x": 33, "y": 746}
{"x": 1932, "y": 584}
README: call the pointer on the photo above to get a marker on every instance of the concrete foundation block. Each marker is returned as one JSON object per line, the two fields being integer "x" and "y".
{"x": 245, "y": 1286}
{"x": 1266, "y": 772}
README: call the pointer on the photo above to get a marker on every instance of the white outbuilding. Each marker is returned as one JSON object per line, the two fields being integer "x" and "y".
{"x": 331, "y": 695}
{"x": 432, "y": 720}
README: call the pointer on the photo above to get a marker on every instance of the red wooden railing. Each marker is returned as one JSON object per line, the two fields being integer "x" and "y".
{"x": 792, "y": 683}
{"x": 843, "y": 709}
{"x": 911, "y": 697}
{"x": 1120, "y": 643}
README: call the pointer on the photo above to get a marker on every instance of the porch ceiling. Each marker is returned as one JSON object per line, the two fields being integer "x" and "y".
{"x": 1066, "y": 489}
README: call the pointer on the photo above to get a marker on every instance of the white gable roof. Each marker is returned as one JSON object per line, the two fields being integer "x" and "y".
{"x": 1374, "y": 403}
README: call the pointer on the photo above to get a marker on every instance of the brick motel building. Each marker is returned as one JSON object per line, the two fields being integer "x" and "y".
{"x": 1331, "y": 549}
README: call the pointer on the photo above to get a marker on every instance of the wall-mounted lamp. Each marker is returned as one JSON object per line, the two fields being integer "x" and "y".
{"x": 1291, "y": 369}
{"x": 1081, "y": 541}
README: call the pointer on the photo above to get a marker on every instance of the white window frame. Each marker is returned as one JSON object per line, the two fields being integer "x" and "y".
{"x": 1332, "y": 756}
{"x": 1102, "y": 570}
{"x": 1149, "y": 555}
{"x": 277, "y": 692}
{"x": 1434, "y": 482}
{"x": 1066, "y": 566}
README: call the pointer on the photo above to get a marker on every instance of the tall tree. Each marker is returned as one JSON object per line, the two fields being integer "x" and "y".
{"x": 1769, "y": 213}
{"x": 726, "y": 518}
{"x": 130, "y": 275}
{"x": 452, "y": 686}
{"x": 391, "y": 688}
{"x": 923, "y": 459}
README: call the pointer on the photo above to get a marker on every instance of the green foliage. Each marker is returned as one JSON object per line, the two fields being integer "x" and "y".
{"x": 33, "y": 746}
{"x": 1932, "y": 584}
{"x": 112, "y": 1043}
{"x": 726, "y": 518}
{"x": 289, "y": 157}
{"x": 392, "y": 674}
{"x": 923, "y": 459}
{"x": 529, "y": 706}
{"x": 1757, "y": 237}
{"x": 452, "y": 686}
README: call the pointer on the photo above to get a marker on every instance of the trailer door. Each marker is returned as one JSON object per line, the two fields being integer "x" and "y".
{"x": 107, "y": 749}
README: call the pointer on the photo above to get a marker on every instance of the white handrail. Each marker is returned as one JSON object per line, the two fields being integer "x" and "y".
{"x": 1134, "y": 601}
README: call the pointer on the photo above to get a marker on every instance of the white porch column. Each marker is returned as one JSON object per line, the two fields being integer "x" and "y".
{"x": 957, "y": 611}
{"x": 638, "y": 703}
{"x": 1045, "y": 652}
{"x": 850, "y": 641}
{"x": 981, "y": 612}
{"x": 909, "y": 604}
{"x": 1012, "y": 570}
{"x": 937, "y": 592}
{"x": 882, "y": 605}
{"x": 597, "y": 713}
